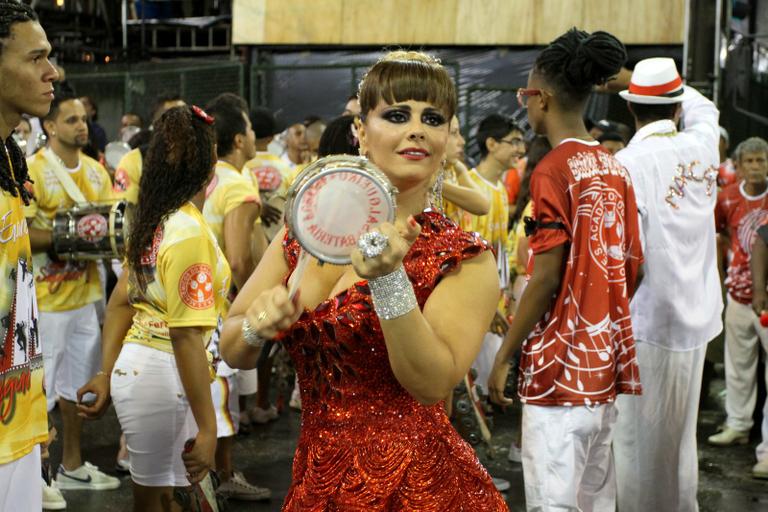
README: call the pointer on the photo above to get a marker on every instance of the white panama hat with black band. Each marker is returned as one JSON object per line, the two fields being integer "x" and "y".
{"x": 656, "y": 81}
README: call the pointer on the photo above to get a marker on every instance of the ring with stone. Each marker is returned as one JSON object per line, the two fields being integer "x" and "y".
{"x": 372, "y": 244}
{"x": 262, "y": 316}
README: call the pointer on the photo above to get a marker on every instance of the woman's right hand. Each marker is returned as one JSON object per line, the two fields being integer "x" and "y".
{"x": 273, "y": 311}
{"x": 201, "y": 458}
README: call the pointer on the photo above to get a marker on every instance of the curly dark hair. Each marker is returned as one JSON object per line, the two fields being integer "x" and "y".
{"x": 178, "y": 165}
{"x": 12, "y": 180}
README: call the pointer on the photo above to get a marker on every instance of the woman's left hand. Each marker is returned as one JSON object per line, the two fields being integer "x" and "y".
{"x": 401, "y": 237}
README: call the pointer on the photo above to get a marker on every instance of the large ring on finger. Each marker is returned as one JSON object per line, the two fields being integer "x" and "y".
{"x": 262, "y": 316}
{"x": 372, "y": 244}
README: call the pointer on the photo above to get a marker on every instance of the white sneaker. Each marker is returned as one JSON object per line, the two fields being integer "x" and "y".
{"x": 262, "y": 416}
{"x": 515, "y": 453}
{"x": 86, "y": 477}
{"x": 238, "y": 488}
{"x": 501, "y": 484}
{"x": 52, "y": 497}
{"x": 728, "y": 437}
{"x": 295, "y": 401}
{"x": 760, "y": 470}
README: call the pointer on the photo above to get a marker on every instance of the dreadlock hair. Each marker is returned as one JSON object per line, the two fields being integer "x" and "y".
{"x": 12, "y": 180}
{"x": 537, "y": 150}
{"x": 178, "y": 165}
{"x": 576, "y": 61}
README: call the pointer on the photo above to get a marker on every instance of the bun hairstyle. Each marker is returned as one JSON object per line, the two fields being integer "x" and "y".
{"x": 178, "y": 165}
{"x": 576, "y": 61}
{"x": 407, "y": 75}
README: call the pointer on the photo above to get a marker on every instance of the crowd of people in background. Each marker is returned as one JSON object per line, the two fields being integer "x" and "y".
{"x": 614, "y": 248}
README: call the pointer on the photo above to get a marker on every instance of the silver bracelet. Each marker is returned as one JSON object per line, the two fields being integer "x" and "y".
{"x": 392, "y": 294}
{"x": 251, "y": 337}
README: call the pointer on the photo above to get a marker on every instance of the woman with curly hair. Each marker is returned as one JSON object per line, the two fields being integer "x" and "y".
{"x": 379, "y": 343}
{"x": 161, "y": 316}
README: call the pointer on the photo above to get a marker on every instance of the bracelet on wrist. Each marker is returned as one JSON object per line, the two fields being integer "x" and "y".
{"x": 392, "y": 294}
{"x": 251, "y": 337}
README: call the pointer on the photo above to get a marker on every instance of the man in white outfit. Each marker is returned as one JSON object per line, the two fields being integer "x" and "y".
{"x": 677, "y": 308}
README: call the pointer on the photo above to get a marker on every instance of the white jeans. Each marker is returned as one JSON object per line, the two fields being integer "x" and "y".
{"x": 657, "y": 465}
{"x": 71, "y": 351}
{"x": 567, "y": 459}
{"x": 21, "y": 485}
{"x": 743, "y": 337}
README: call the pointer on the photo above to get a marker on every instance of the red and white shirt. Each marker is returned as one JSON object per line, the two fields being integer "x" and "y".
{"x": 582, "y": 352}
{"x": 740, "y": 215}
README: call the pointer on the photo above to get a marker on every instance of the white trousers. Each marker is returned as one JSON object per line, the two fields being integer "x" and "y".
{"x": 71, "y": 351}
{"x": 484, "y": 361}
{"x": 567, "y": 459}
{"x": 743, "y": 337}
{"x": 21, "y": 485}
{"x": 657, "y": 466}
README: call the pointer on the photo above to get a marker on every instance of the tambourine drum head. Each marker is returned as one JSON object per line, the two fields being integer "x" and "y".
{"x": 334, "y": 207}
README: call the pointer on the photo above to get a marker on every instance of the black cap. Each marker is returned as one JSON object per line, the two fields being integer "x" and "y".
{"x": 264, "y": 123}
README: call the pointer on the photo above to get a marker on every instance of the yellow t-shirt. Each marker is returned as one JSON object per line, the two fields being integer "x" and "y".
{"x": 187, "y": 281}
{"x": 63, "y": 286}
{"x": 127, "y": 176}
{"x": 228, "y": 190}
{"x": 23, "y": 417}
{"x": 493, "y": 225}
{"x": 269, "y": 173}
{"x": 518, "y": 267}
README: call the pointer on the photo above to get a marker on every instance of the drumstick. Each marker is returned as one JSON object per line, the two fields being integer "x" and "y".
{"x": 298, "y": 273}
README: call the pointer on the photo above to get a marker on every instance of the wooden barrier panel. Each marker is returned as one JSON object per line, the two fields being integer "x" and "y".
{"x": 451, "y": 22}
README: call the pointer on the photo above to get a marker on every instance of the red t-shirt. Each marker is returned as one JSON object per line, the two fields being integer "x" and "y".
{"x": 582, "y": 352}
{"x": 740, "y": 215}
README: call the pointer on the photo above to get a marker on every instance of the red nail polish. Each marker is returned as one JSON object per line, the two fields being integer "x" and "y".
{"x": 412, "y": 221}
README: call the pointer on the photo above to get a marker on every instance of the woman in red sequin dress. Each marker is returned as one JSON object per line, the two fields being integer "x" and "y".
{"x": 374, "y": 435}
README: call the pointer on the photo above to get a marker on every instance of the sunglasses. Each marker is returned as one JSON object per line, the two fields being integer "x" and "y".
{"x": 523, "y": 95}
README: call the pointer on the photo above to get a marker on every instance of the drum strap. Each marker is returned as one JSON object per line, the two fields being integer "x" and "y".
{"x": 70, "y": 187}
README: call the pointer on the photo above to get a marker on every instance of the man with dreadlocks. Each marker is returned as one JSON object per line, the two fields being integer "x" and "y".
{"x": 26, "y": 78}
{"x": 67, "y": 291}
{"x": 573, "y": 322}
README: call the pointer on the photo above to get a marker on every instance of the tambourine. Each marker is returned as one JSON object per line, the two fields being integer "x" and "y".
{"x": 333, "y": 201}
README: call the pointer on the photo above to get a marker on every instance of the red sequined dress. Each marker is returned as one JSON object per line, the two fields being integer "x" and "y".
{"x": 365, "y": 443}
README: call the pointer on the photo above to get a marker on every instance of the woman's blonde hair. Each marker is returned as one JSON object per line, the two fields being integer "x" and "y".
{"x": 407, "y": 75}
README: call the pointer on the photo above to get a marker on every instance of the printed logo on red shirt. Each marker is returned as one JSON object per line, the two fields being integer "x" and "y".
{"x": 196, "y": 286}
{"x": 606, "y": 227}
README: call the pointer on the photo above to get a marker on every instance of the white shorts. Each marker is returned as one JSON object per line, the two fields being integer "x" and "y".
{"x": 247, "y": 381}
{"x": 226, "y": 405}
{"x": 71, "y": 351}
{"x": 21, "y": 485}
{"x": 567, "y": 458}
{"x": 154, "y": 415}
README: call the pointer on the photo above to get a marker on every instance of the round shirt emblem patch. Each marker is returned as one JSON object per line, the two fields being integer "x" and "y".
{"x": 269, "y": 178}
{"x": 122, "y": 180}
{"x": 92, "y": 228}
{"x": 196, "y": 286}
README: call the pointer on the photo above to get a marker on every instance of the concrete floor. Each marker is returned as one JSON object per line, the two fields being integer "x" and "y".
{"x": 265, "y": 457}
